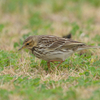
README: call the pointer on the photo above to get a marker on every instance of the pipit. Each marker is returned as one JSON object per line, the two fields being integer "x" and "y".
{"x": 53, "y": 48}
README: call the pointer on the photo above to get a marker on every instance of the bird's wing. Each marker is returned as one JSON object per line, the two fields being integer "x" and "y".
{"x": 53, "y": 43}
{"x": 72, "y": 45}
{"x": 47, "y": 40}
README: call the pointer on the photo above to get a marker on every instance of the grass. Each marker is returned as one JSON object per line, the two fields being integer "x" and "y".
{"x": 23, "y": 76}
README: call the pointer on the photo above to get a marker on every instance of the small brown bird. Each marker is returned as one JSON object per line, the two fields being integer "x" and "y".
{"x": 53, "y": 48}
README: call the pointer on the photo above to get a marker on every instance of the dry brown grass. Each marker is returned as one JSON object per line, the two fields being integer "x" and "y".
{"x": 13, "y": 31}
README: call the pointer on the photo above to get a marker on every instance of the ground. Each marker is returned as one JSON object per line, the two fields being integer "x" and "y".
{"x": 23, "y": 76}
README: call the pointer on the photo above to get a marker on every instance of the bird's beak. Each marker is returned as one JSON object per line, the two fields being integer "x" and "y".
{"x": 21, "y": 47}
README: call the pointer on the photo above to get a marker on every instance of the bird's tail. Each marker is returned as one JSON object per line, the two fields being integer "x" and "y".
{"x": 87, "y": 47}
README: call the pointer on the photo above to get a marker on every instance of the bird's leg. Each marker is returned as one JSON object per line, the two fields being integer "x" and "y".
{"x": 48, "y": 64}
{"x": 57, "y": 60}
{"x": 54, "y": 61}
{"x": 60, "y": 63}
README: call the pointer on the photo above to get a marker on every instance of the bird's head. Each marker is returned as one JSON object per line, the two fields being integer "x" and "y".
{"x": 29, "y": 42}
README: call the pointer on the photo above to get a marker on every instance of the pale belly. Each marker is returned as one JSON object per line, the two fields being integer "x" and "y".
{"x": 51, "y": 56}
{"x": 59, "y": 56}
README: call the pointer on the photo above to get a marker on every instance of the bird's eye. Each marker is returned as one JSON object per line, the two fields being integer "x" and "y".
{"x": 27, "y": 44}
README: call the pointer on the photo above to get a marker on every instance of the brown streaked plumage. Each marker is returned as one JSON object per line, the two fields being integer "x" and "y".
{"x": 53, "y": 48}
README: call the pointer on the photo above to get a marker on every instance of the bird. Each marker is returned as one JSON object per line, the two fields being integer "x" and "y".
{"x": 52, "y": 48}
{"x": 68, "y": 36}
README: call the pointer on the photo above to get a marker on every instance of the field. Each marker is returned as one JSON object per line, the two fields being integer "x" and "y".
{"x": 23, "y": 76}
